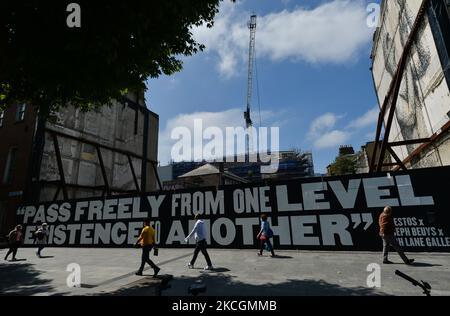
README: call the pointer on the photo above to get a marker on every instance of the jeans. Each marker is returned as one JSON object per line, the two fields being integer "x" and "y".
{"x": 146, "y": 257}
{"x": 201, "y": 246}
{"x": 389, "y": 240}
{"x": 40, "y": 247}
{"x": 269, "y": 245}
{"x": 13, "y": 250}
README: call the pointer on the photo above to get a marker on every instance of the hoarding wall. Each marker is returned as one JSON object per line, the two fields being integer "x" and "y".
{"x": 333, "y": 213}
{"x": 424, "y": 102}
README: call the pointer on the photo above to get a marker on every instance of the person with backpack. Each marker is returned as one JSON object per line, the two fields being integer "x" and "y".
{"x": 147, "y": 242}
{"x": 264, "y": 236}
{"x": 41, "y": 236}
{"x": 15, "y": 239}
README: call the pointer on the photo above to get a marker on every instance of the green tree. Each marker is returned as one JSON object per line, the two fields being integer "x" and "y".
{"x": 119, "y": 45}
{"x": 343, "y": 165}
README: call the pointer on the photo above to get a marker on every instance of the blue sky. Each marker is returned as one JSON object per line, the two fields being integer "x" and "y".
{"x": 313, "y": 62}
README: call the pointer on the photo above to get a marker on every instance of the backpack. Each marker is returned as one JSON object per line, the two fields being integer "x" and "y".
{"x": 39, "y": 235}
{"x": 12, "y": 236}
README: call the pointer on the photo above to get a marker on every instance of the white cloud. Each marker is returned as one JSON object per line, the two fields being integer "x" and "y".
{"x": 323, "y": 123}
{"x": 324, "y": 134}
{"x": 222, "y": 120}
{"x": 332, "y": 139}
{"x": 334, "y": 32}
{"x": 369, "y": 119}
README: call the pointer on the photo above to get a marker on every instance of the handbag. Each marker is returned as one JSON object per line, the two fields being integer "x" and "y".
{"x": 155, "y": 251}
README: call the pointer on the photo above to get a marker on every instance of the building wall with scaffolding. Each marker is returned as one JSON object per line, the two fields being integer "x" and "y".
{"x": 423, "y": 106}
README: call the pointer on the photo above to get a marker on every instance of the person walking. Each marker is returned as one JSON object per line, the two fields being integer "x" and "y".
{"x": 41, "y": 236}
{"x": 264, "y": 236}
{"x": 147, "y": 242}
{"x": 387, "y": 228}
{"x": 15, "y": 239}
{"x": 199, "y": 234}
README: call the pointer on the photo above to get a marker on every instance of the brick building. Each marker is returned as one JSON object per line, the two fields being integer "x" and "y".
{"x": 76, "y": 155}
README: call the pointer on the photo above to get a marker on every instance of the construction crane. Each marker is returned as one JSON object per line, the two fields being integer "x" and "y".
{"x": 251, "y": 57}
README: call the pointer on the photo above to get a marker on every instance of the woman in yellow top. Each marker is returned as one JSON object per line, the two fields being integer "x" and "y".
{"x": 147, "y": 241}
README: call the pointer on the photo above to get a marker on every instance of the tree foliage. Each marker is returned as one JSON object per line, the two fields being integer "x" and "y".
{"x": 119, "y": 45}
{"x": 343, "y": 165}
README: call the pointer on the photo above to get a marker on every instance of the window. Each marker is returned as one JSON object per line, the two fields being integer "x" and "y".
{"x": 20, "y": 114}
{"x": 10, "y": 167}
{"x": 2, "y": 117}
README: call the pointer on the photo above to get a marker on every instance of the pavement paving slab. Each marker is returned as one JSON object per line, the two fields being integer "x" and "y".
{"x": 236, "y": 273}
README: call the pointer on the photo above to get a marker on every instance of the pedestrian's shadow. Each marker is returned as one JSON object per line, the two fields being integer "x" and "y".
{"x": 17, "y": 260}
{"x": 281, "y": 257}
{"x": 220, "y": 270}
{"x": 46, "y": 257}
{"x": 424, "y": 264}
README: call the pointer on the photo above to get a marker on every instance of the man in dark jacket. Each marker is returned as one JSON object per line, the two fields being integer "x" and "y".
{"x": 387, "y": 228}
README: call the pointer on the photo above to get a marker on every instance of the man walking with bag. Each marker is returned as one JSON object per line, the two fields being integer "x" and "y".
{"x": 387, "y": 228}
{"x": 147, "y": 241}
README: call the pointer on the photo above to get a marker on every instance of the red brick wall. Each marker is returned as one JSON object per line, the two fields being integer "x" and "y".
{"x": 20, "y": 135}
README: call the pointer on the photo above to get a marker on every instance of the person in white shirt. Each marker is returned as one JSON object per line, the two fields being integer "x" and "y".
{"x": 199, "y": 233}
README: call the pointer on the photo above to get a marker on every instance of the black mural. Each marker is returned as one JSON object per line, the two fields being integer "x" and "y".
{"x": 330, "y": 213}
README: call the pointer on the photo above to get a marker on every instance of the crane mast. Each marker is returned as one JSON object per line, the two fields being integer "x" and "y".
{"x": 251, "y": 57}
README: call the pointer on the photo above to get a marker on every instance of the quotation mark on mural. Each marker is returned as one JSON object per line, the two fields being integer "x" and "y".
{"x": 357, "y": 219}
{"x": 74, "y": 277}
{"x": 21, "y": 211}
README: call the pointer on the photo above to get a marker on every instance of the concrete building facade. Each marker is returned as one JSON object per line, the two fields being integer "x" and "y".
{"x": 420, "y": 128}
{"x": 75, "y": 154}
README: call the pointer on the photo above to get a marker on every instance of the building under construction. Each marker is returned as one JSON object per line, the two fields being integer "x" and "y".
{"x": 74, "y": 155}
{"x": 411, "y": 73}
{"x": 292, "y": 164}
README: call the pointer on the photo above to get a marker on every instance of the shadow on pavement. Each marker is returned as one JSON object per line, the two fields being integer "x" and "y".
{"x": 224, "y": 285}
{"x": 220, "y": 269}
{"x": 146, "y": 286}
{"x": 282, "y": 257}
{"x": 424, "y": 264}
{"x": 22, "y": 279}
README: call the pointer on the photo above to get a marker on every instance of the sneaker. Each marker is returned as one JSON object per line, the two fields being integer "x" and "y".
{"x": 138, "y": 273}
{"x": 259, "y": 254}
{"x": 387, "y": 262}
{"x": 190, "y": 266}
{"x": 156, "y": 271}
{"x": 208, "y": 268}
{"x": 409, "y": 262}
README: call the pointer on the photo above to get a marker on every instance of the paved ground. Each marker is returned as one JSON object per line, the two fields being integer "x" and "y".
{"x": 238, "y": 273}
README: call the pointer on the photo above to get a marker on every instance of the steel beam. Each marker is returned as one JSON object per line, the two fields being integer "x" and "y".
{"x": 102, "y": 167}
{"x": 392, "y": 96}
{"x": 60, "y": 166}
